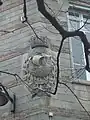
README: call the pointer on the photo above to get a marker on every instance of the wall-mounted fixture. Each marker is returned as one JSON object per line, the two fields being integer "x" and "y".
{"x": 1, "y": 2}
{"x": 50, "y": 114}
{"x": 5, "y": 97}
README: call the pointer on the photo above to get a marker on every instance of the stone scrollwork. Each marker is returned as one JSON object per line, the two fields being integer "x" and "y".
{"x": 39, "y": 69}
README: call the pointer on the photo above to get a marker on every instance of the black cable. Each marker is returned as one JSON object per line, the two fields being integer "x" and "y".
{"x": 75, "y": 97}
{"x": 56, "y": 86}
{"x": 25, "y": 11}
{"x": 25, "y": 16}
{"x": 26, "y": 19}
{"x": 32, "y": 29}
{"x": 14, "y": 75}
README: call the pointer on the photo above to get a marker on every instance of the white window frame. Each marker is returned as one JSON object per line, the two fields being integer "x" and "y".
{"x": 81, "y": 20}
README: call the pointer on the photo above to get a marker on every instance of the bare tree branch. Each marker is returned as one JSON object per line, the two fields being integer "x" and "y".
{"x": 58, "y": 65}
{"x": 65, "y": 34}
{"x": 53, "y": 21}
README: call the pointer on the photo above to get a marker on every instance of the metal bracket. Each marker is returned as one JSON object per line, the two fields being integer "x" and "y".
{"x": 12, "y": 100}
{"x": 14, "y": 104}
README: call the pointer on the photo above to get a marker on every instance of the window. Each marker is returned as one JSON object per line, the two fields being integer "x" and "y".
{"x": 77, "y": 18}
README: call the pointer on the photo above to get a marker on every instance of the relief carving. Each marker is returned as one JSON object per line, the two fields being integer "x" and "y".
{"x": 39, "y": 69}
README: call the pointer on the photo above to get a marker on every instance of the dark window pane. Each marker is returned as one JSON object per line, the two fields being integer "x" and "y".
{"x": 73, "y": 14}
{"x": 80, "y": 72}
{"x": 77, "y": 51}
{"x": 85, "y": 16}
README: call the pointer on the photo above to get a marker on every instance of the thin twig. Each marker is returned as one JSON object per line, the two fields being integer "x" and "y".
{"x": 83, "y": 25}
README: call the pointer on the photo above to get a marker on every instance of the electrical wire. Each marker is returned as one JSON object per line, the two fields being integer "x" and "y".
{"x": 32, "y": 29}
{"x": 5, "y": 31}
{"x": 15, "y": 75}
{"x": 26, "y": 84}
{"x": 75, "y": 97}
{"x": 26, "y": 19}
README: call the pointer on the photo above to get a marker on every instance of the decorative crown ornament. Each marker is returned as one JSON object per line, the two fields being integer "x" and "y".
{"x": 39, "y": 42}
